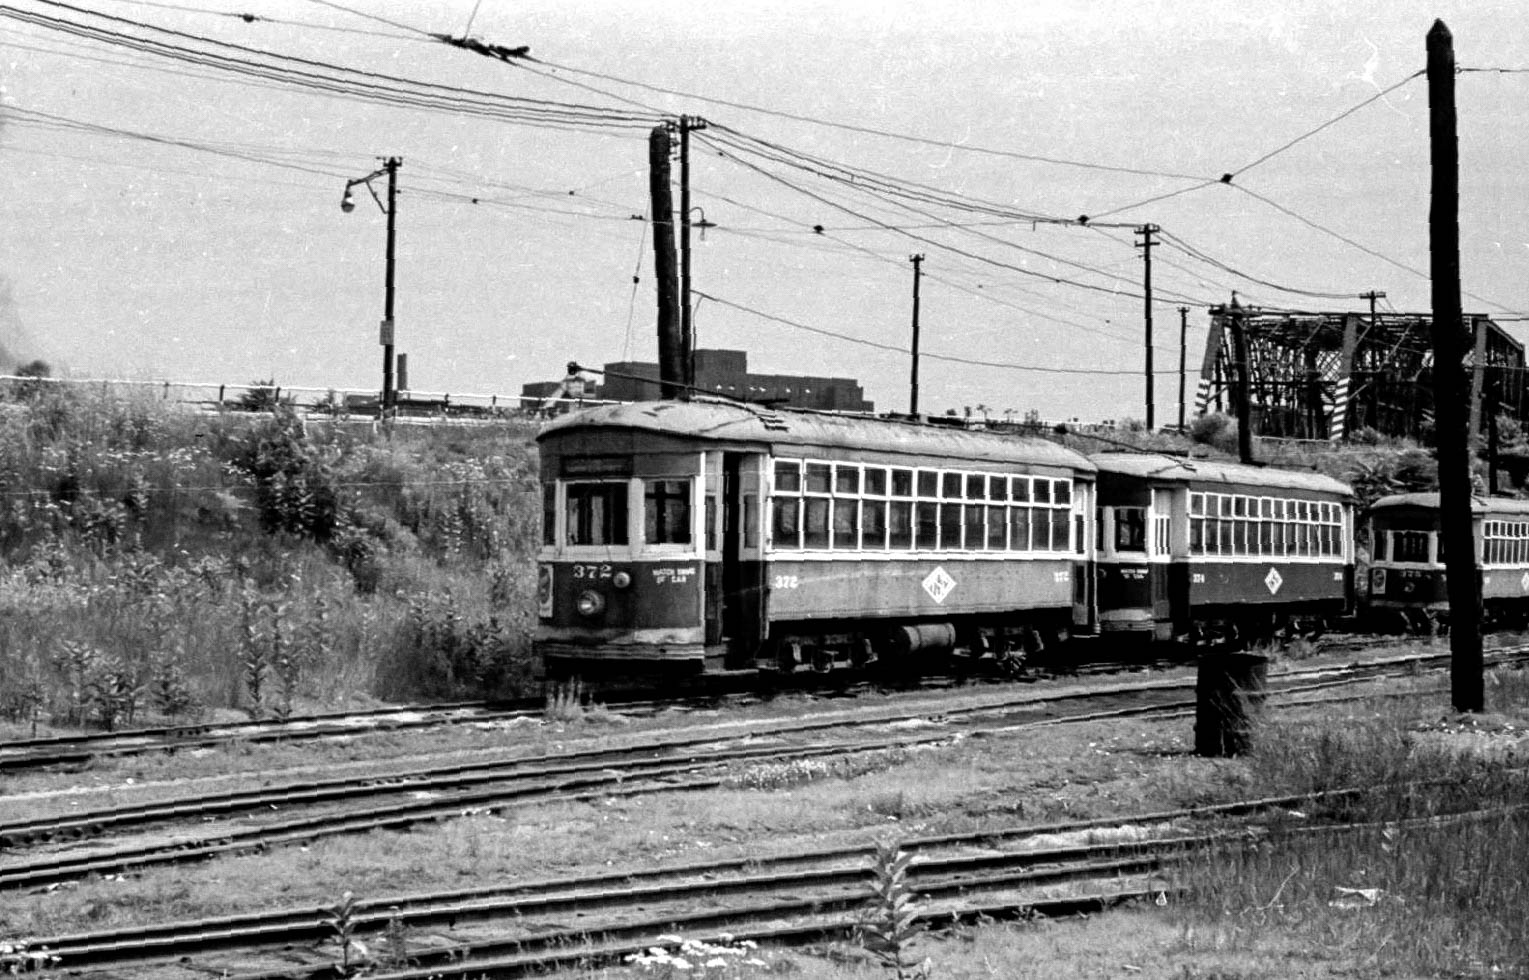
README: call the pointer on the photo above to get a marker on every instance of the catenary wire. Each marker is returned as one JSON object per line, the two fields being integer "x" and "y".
{"x": 1336, "y": 119}
{"x": 1007, "y": 365}
{"x": 872, "y": 131}
{"x": 252, "y": 18}
{"x": 310, "y": 73}
{"x": 920, "y": 238}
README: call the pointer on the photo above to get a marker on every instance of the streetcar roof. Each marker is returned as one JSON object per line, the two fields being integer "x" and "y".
{"x": 1210, "y": 473}
{"x": 1429, "y": 500}
{"x": 710, "y": 420}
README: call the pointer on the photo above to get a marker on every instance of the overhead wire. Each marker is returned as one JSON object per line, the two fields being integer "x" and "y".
{"x": 1333, "y": 121}
{"x": 1091, "y": 269}
{"x": 335, "y": 79}
{"x": 920, "y": 238}
{"x": 631, "y": 312}
{"x": 974, "y": 362}
{"x": 366, "y": 16}
{"x": 872, "y": 131}
{"x": 1176, "y": 241}
{"x": 252, "y": 18}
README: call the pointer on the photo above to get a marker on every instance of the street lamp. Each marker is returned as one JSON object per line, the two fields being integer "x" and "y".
{"x": 348, "y": 204}
{"x": 687, "y": 315}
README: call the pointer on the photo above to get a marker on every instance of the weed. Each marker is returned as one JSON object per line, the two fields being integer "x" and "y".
{"x": 19, "y": 957}
{"x": 169, "y": 691}
{"x": 393, "y": 945}
{"x": 253, "y": 652}
{"x": 723, "y": 959}
{"x": 342, "y": 924}
{"x": 565, "y": 700}
{"x": 891, "y": 924}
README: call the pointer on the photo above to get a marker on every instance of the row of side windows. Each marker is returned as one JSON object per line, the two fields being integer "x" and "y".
{"x": 850, "y": 507}
{"x": 1238, "y": 524}
{"x": 1505, "y": 542}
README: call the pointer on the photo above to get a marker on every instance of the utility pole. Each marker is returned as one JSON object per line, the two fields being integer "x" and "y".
{"x": 1243, "y": 395}
{"x": 1183, "y": 355}
{"x": 1372, "y": 296}
{"x": 1449, "y": 396}
{"x": 389, "y": 393}
{"x": 1146, "y": 232}
{"x": 671, "y": 352}
{"x": 917, "y": 261}
{"x": 687, "y": 325}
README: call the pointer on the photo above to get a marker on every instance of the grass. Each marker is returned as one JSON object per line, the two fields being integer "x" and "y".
{"x": 1411, "y": 891}
{"x": 1451, "y": 901}
{"x": 158, "y": 564}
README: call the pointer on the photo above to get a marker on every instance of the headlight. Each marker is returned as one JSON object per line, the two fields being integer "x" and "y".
{"x": 544, "y": 590}
{"x": 590, "y": 603}
{"x": 621, "y": 580}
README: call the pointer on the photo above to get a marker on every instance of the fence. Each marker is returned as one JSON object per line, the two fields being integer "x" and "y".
{"x": 353, "y": 402}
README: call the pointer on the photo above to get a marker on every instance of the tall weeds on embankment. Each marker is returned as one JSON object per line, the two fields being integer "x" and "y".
{"x": 1422, "y": 875}
{"x": 157, "y": 562}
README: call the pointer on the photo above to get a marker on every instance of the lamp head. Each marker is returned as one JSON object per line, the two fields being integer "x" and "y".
{"x": 348, "y": 202}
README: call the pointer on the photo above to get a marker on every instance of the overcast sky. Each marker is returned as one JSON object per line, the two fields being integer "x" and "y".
{"x": 203, "y": 241}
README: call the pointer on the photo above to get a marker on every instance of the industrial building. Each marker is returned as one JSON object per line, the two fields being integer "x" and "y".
{"x": 724, "y": 372}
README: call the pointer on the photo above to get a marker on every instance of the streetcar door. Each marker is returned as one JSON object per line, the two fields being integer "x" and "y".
{"x": 742, "y": 564}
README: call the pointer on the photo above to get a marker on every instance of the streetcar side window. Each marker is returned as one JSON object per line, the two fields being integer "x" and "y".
{"x": 596, "y": 513}
{"x": 900, "y": 525}
{"x": 786, "y": 522}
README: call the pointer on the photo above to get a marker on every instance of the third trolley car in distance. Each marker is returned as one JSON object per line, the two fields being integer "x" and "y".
{"x": 1406, "y": 576}
{"x": 1205, "y": 549}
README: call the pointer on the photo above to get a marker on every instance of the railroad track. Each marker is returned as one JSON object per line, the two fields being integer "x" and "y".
{"x": 510, "y": 929}
{"x": 693, "y": 761}
{"x": 80, "y": 749}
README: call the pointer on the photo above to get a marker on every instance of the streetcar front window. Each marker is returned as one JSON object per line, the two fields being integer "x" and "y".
{"x": 666, "y": 511}
{"x": 1409, "y": 546}
{"x": 1131, "y": 529}
{"x": 596, "y": 513}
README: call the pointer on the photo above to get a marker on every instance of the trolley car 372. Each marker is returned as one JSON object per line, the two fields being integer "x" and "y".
{"x": 703, "y": 535}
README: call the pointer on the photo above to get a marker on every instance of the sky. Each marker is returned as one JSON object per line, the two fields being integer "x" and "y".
{"x": 163, "y": 218}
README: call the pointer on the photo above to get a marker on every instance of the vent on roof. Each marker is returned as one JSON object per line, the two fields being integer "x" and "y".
{"x": 773, "y": 423}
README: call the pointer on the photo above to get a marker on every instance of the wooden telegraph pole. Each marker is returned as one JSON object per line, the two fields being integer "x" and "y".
{"x": 918, "y": 261}
{"x": 1449, "y": 394}
{"x": 671, "y": 350}
{"x": 1146, "y": 232}
{"x": 1244, "y": 395}
{"x": 1183, "y": 356}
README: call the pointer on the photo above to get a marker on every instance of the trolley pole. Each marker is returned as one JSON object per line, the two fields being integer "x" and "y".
{"x": 1146, "y": 232}
{"x": 917, "y": 261}
{"x": 1462, "y": 577}
{"x": 1183, "y": 355}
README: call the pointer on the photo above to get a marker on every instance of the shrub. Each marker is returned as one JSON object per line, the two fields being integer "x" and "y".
{"x": 1215, "y": 429}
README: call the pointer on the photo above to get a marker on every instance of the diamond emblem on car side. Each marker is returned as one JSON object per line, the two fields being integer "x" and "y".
{"x": 1523, "y": 583}
{"x": 938, "y": 584}
{"x": 1273, "y": 581}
